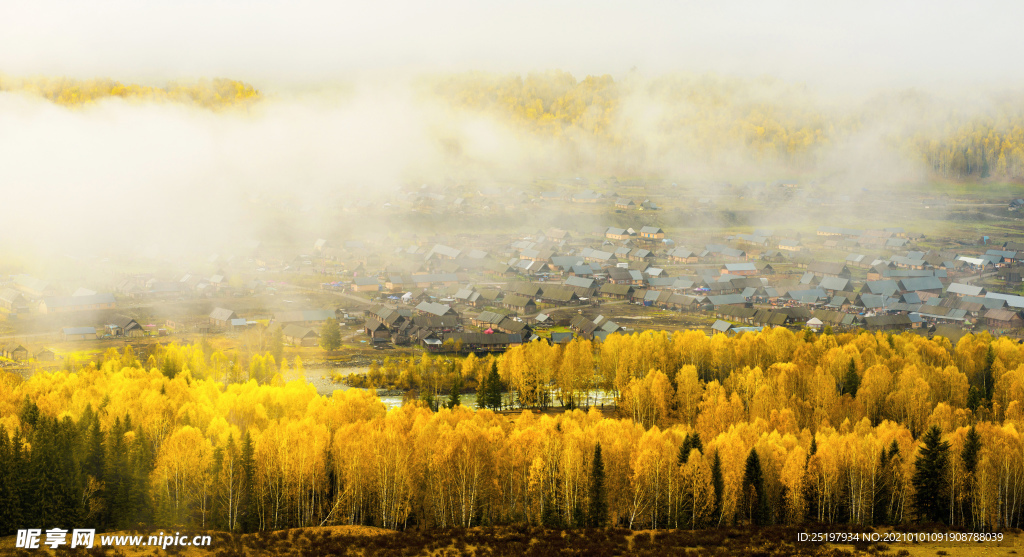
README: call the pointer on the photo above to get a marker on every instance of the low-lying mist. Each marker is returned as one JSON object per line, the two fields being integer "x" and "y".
{"x": 119, "y": 175}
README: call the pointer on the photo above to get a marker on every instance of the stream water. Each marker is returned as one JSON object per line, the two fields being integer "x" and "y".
{"x": 321, "y": 379}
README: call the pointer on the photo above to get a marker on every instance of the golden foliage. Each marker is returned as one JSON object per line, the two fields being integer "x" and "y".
{"x": 212, "y": 94}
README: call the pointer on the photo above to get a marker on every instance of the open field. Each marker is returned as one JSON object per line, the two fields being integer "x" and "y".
{"x": 364, "y": 541}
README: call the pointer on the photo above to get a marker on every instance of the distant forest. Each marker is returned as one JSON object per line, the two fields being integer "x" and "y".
{"x": 715, "y": 117}
{"x": 763, "y": 428}
{"x": 214, "y": 94}
{"x": 708, "y": 118}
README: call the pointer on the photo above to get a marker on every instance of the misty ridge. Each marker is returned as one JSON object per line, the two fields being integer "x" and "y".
{"x": 103, "y": 174}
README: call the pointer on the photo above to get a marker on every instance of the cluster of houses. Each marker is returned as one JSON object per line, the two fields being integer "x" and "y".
{"x": 837, "y": 278}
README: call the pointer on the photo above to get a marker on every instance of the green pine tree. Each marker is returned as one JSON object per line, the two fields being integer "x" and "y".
{"x": 755, "y": 495}
{"x": 986, "y": 376}
{"x": 929, "y": 480}
{"x": 494, "y": 388}
{"x": 247, "y": 507}
{"x": 597, "y": 513}
{"x": 10, "y": 503}
{"x": 851, "y": 381}
{"x": 481, "y": 392}
{"x": 718, "y": 483}
{"x": 970, "y": 454}
{"x": 456, "y": 392}
{"x": 883, "y": 491}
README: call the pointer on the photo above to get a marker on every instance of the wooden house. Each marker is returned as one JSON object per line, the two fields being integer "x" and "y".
{"x": 1003, "y": 319}
{"x": 297, "y": 335}
{"x": 14, "y": 351}
{"x": 78, "y": 333}
{"x": 221, "y": 317}
{"x": 520, "y": 304}
{"x": 652, "y": 233}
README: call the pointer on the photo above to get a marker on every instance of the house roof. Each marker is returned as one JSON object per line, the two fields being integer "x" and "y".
{"x": 518, "y": 300}
{"x": 298, "y": 331}
{"x": 579, "y": 281}
{"x": 434, "y": 308}
{"x": 834, "y": 283}
{"x": 79, "y": 330}
{"x": 222, "y": 314}
{"x": 1001, "y": 315}
{"x": 72, "y": 301}
{"x": 964, "y": 289}
{"x": 304, "y": 315}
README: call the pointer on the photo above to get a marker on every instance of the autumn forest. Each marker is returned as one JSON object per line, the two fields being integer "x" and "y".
{"x": 773, "y": 427}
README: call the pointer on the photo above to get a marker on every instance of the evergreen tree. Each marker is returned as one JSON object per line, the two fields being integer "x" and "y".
{"x": 718, "y": 483}
{"x": 10, "y": 503}
{"x": 929, "y": 478}
{"x": 597, "y": 514}
{"x": 481, "y": 392}
{"x": 695, "y": 442}
{"x": 330, "y": 335}
{"x": 883, "y": 492}
{"x": 456, "y": 392}
{"x": 690, "y": 441}
{"x": 428, "y": 397}
{"x": 986, "y": 375}
{"x": 754, "y": 490}
{"x": 494, "y": 388}
{"x": 969, "y": 454}
{"x": 851, "y": 381}
{"x": 142, "y": 462}
{"x": 247, "y": 507}
{"x": 973, "y": 398}
{"x": 810, "y": 488}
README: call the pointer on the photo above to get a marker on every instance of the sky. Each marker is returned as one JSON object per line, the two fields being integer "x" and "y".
{"x": 833, "y": 45}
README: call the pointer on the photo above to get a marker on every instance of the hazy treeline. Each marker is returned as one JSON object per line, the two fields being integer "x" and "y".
{"x": 642, "y": 124}
{"x": 711, "y": 118}
{"x": 771, "y": 427}
{"x": 216, "y": 93}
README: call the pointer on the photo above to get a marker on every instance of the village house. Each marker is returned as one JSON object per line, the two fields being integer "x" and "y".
{"x": 682, "y": 255}
{"x": 14, "y": 351}
{"x": 221, "y": 317}
{"x": 652, "y": 233}
{"x": 68, "y": 304}
{"x": 297, "y": 335}
{"x": 520, "y": 304}
{"x": 13, "y": 301}
{"x": 829, "y": 269}
{"x": 306, "y": 317}
{"x": 617, "y": 233}
{"x": 742, "y": 269}
{"x": 365, "y": 284}
{"x": 78, "y": 333}
{"x": 33, "y": 287}
{"x": 1003, "y": 319}
{"x": 124, "y": 326}
{"x": 616, "y": 291}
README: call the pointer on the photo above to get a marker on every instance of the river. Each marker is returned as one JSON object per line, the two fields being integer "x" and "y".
{"x": 321, "y": 379}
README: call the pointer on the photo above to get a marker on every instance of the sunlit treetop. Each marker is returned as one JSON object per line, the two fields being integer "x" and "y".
{"x": 213, "y": 94}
